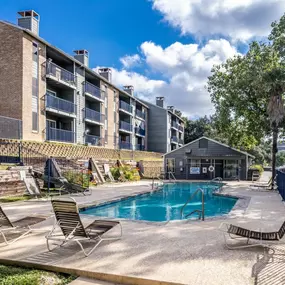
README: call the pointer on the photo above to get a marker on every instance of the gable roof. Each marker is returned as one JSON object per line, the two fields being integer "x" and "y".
{"x": 222, "y": 144}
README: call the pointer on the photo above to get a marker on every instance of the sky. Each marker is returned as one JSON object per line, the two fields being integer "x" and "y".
{"x": 161, "y": 47}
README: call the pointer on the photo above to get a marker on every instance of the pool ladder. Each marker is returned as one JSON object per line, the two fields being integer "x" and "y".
{"x": 171, "y": 177}
{"x": 200, "y": 212}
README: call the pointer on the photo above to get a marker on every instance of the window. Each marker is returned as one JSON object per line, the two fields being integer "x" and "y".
{"x": 203, "y": 143}
{"x": 34, "y": 121}
{"x": 170, "y": 164}
{"x": 195, "y": 163}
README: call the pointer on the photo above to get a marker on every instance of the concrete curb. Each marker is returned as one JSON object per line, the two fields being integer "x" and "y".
{"x": 121, "y": 279}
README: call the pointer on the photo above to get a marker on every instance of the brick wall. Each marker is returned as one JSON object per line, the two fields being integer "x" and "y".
{"x": 11, "y": 62}
{"x": 11, "y": 184}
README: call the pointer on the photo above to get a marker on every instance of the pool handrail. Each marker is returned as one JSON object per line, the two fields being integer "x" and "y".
{"x": 201, "y": 212}
{"x": 217, "y": 179}
{"x": 173, "y": 177}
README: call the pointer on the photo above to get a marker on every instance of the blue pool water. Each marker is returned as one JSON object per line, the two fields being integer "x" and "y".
{"x": 166, "y": 204}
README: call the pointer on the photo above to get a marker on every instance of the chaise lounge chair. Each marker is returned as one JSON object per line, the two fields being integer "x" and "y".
{"x": 67, "y": 218}
{"x": 24, "y": 224}
{"x": 264, "y": 185}
{"x": 235, "y": 232}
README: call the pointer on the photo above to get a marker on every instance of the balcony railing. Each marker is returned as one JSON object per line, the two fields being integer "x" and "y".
{"x": 60, "y": 73}
{"x": 180, "y": 128}
{"x": 174, "y": 125}
{"x": 126, "y": 145}
{"x": 140, "y": 147}
{"x": 139, "y": 131}
{"x": 174, "y": 139}
{"x": 126, "y": 126}
{"x": 60, "y": 104}
{"x": 94, "y": 115}
{"x": 93, "y": 90}
{"x": 53, "y": 134}
{"x": 126, "y": 107}
{"x": 180, "y": 141}
{"x": 94, "y": 140}
{"x": 140, "y": 114}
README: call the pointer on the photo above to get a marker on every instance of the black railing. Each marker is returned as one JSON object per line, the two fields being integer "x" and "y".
{"x": 126, "y": 107}
{"x": 94, "y": 91}
{"x": 53, "y": 134}
{"x": 139, "y": 131}
{"x": 94, "y": 140}
{"x": 10, "y": 128}
{"x": 180, "y": 128}
{"x": 60, "y": 73}
{"x": 126, "y": 126}
{"x": 140, "y": 114}
{"x": 174, "y": 139}
{"x": 140, "y": 147}
{"x": 175, "y": 125}
{"x": 126, "y": 145}
{"x": 60, "y": 104}
{"x": 280, "y": 179}
{"x": 94, "y": 115}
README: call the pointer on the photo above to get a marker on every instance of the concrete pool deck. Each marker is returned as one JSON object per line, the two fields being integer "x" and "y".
{"x": 182, "y": 252}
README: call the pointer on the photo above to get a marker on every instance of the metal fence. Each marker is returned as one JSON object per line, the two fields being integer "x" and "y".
{"x": 281, "y": 182}
{"x": 10, "y": 128}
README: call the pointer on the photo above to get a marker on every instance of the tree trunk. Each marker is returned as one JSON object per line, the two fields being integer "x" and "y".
{"x": 274, "y": 151}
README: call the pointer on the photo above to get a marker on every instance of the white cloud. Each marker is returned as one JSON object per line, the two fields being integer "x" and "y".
{"x": 237, "y": 19}
{"x": 184, "y": 69}
{"x": 129, "y": 61}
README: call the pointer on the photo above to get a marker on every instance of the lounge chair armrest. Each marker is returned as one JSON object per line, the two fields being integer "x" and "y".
{"x": 224, "y": 227}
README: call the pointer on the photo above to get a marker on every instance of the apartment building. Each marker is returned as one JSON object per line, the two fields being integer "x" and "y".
{"x": 165, "y": 127}
{"x": 59, "y": 98}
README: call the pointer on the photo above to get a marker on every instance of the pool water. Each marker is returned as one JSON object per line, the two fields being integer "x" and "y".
{"x": 166, "y": 204}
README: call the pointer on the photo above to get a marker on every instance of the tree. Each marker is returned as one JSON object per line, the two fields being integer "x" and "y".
{"x": 280, "y": 158}
{"x": 247, "y": 91}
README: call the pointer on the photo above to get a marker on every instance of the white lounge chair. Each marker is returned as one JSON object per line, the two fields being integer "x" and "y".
{"x": 67, "y": 218}
{"x": 23, "y": 225}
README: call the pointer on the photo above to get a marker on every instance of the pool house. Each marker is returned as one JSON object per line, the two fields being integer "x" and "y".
{"x": 205, "y": 159}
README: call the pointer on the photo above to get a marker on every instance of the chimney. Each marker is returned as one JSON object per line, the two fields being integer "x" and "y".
{"x": 106, "y": 73}
{"x": 29, "y": 20}
{"x": 129, "y": 89}
{"x": 82, "y": 55}
{"x": 170, "y": 108}
{"x": 160, "y": 101}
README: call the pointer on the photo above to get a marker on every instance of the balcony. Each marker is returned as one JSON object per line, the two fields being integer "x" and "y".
{"x": 125, "y": 107}
{"x": 140, "y": 147}
{"x": 180, "y": 141}
{"x": 174, "y": 125}
{"x": 53, "y": 134}
{"x": 125, "y": 145}
{"x": 180, "y": 128}
{"x": 140, "y": 114}
{"x": 60, "y": 75}
{"x": 94, "y": 140}
{"x": 58, "y": 105}
{"x": 139, "y": 131}
{"x": 94, "y": 116}
{"x": 94, "y": 91}
{"x": 127, "y": 127}
{"x": 174, "y": 139}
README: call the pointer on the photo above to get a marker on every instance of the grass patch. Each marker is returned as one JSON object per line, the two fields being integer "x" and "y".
{"x": 24, "y": 276}
{"x": 14, "y": 199}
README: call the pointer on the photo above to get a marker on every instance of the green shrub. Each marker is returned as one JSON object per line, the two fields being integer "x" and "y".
{"x": 131, "y": 174}
{"x": 79, "y": 178}
{"x": 257, "y": 167}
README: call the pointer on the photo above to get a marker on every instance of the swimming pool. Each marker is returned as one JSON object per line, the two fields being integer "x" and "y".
{"x": 166, "y": 204}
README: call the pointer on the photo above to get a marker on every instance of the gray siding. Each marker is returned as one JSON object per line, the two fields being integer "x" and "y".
{"x": 157, "y": 129}
{"x": 80, "y": 102}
